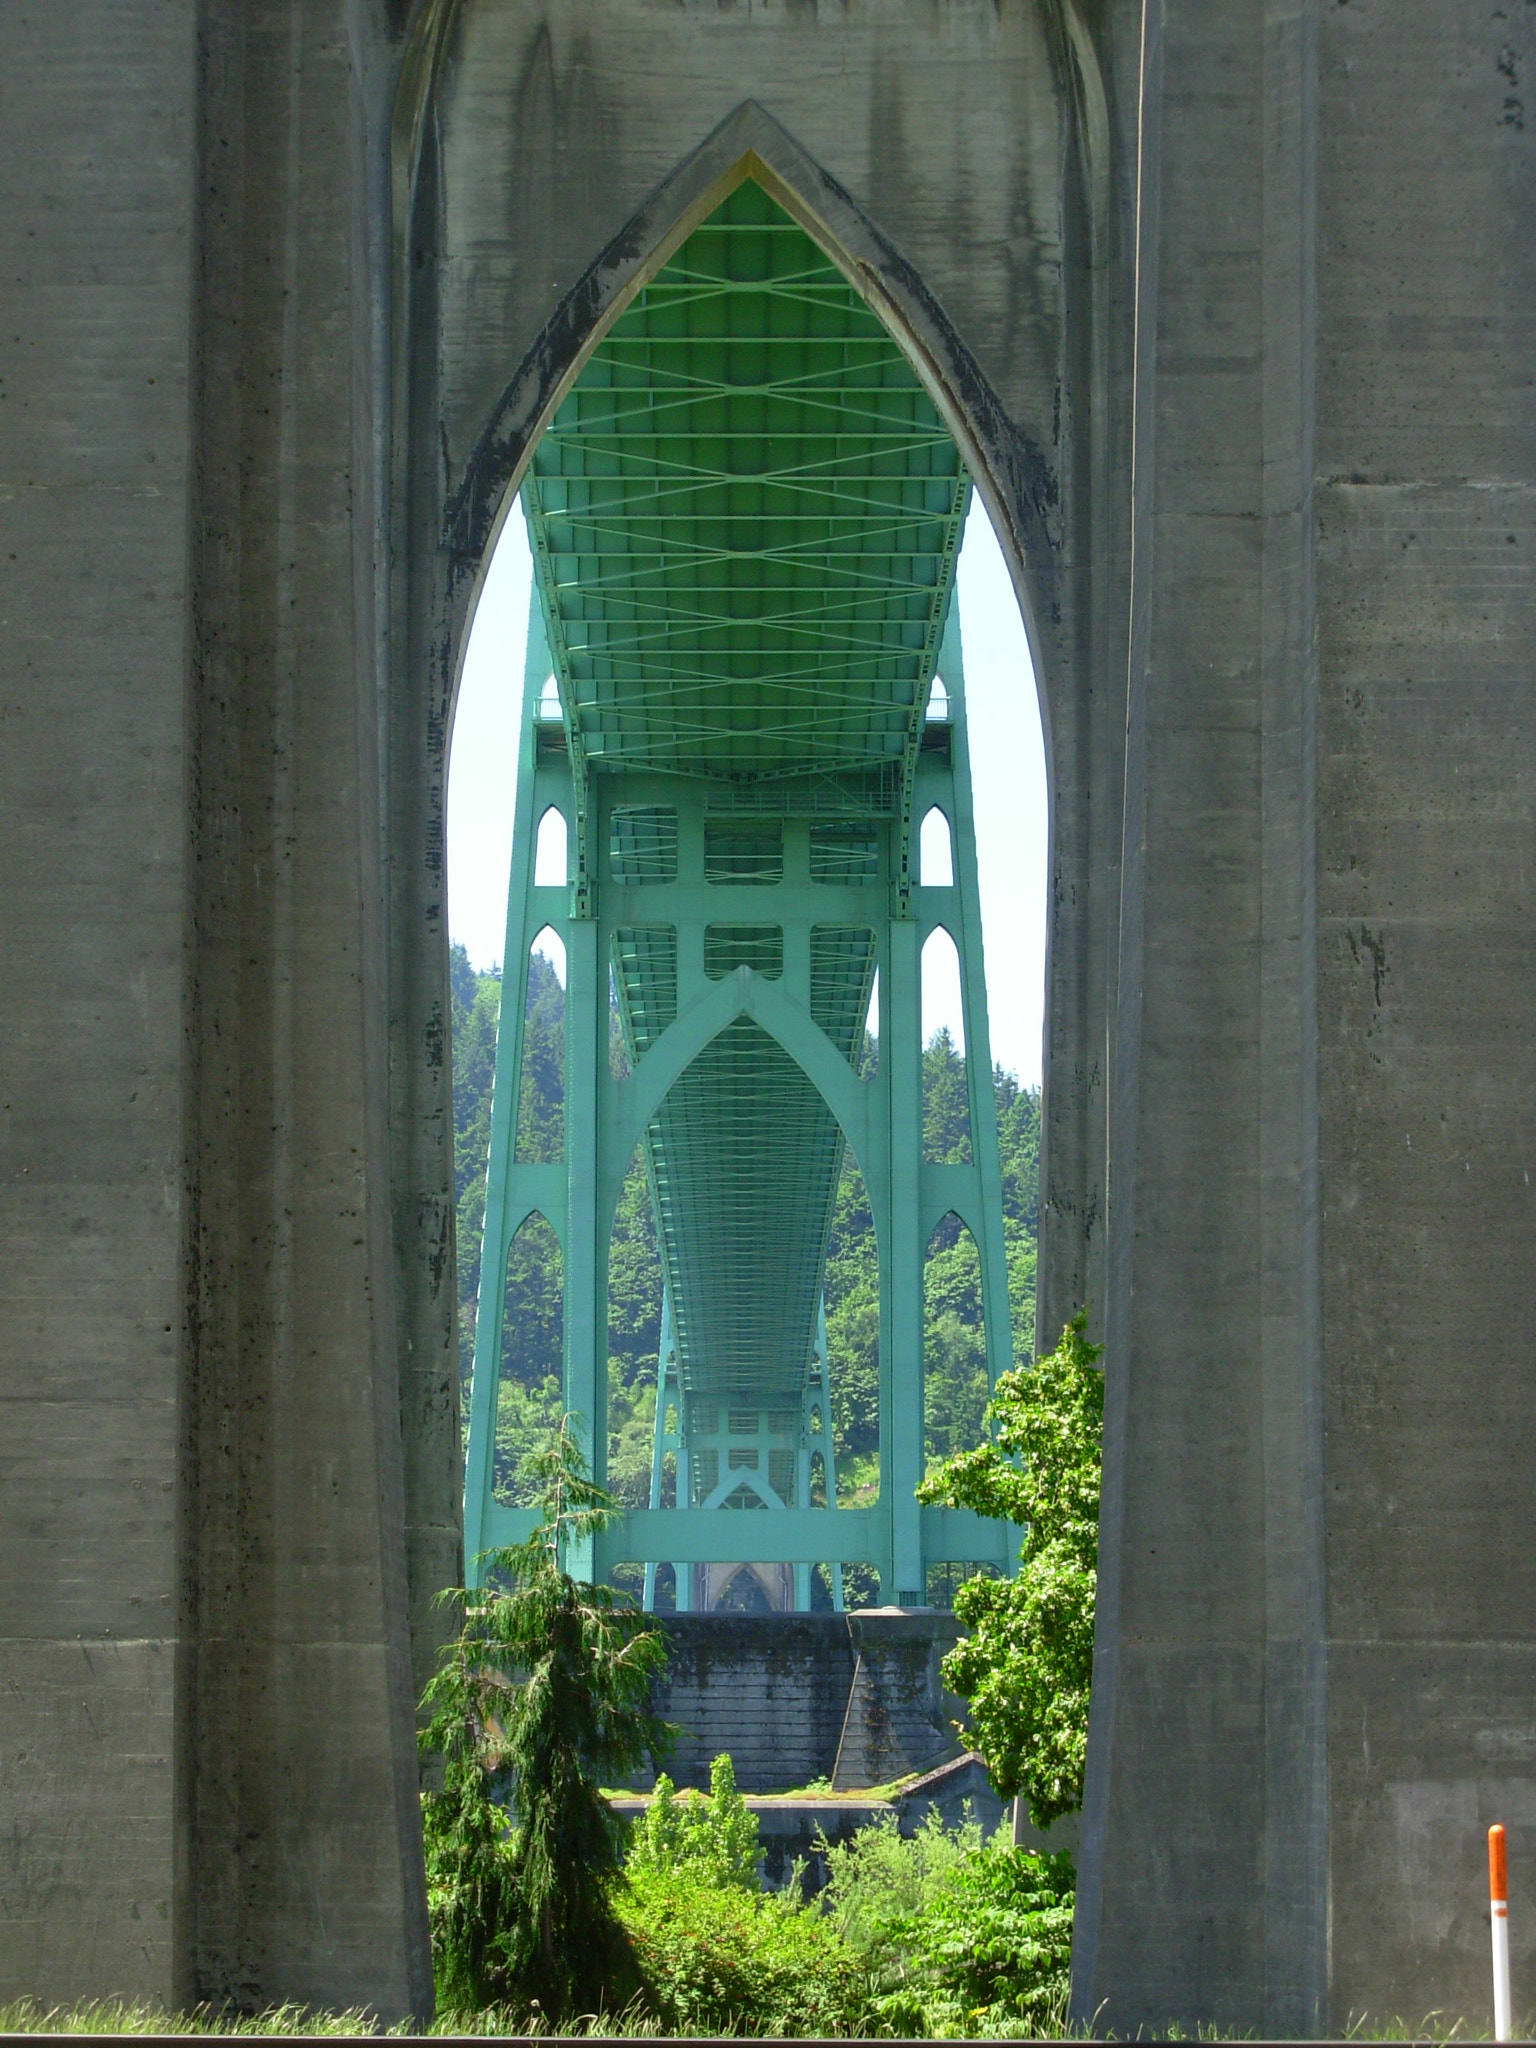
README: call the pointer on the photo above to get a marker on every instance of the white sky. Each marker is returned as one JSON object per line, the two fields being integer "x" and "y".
{"x": 1007, "y": 779}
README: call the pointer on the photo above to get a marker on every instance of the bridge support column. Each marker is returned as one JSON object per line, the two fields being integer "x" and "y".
{"x": 587, "y": 1220}
{"x": 901, "y": 1275}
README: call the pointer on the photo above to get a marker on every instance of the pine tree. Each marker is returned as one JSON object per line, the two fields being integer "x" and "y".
{"x": 546, "y": 1692}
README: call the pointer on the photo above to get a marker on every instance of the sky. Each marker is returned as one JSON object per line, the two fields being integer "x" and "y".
{"x": 1007, "y": 779}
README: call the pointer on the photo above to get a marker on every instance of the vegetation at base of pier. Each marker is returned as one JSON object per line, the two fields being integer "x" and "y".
{"x": 530, "y": 1405}
{"x": 941, "y": 1935}
{"x": 544, "y": 1691}
{"x": 1027, "y": 1664}
{"x": 959, "y": 1937}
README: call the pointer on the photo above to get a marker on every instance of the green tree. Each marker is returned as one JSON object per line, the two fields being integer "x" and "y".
{"x": 990, "y": 1952}
{"x": 959, "y": 1936}
{"x": 712, "y": 1836}
{"x": 1027, "y": 1664}
{"x": 546, "y": 1689}
{"x": 879, "y": 1880}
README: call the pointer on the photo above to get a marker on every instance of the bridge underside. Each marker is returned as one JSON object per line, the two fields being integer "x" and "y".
{"x": 744, "y": 519}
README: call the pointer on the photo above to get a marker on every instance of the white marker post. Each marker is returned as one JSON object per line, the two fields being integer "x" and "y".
{"x": 1498, "y": 1900}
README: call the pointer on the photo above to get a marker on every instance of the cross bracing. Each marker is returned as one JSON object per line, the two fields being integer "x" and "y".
{"x": 744, "y": 519}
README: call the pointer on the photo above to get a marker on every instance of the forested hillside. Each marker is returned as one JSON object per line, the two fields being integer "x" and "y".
{"x": 530, "y": 1397}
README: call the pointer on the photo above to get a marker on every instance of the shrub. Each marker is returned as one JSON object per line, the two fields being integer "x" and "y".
{"x": 712, "y": 1837}
{"x": 879, "y": 1880}
{"x": 718, "y": 1959}
{"x": 989, "y": 1953}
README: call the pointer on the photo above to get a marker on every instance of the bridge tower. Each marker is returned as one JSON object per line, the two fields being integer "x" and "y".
{"x": 744, "y": 693}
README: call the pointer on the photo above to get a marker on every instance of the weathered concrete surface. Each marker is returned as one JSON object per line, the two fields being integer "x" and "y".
{"x": 1315, "y": 1673}
{"x": 205, "y": 1694}
{"x": 94, "y": 480}
{"x": 1230, "y": 305}
{"x": 1426, "y": 811}
{"x": 856, "y": 1699}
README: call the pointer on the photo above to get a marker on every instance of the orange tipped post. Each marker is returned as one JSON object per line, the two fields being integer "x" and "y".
{"x": 1498, "y": 1901}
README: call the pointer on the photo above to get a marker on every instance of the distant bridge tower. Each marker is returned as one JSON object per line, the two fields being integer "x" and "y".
{"x": 744, "y": 693}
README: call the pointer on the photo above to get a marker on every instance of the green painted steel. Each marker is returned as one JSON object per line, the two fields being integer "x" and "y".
{"x": 744, "y": 519}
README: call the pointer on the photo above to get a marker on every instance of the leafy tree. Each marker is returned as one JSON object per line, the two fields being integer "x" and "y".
{"x": 879, "y": 1880}
{"x": 713, "y": 1837}
{"x": 959, "y": 1936}
{"x": 546, "y": 1691}
{"x": 1027, "y": 1664}
{"x": 990, "y": 1953}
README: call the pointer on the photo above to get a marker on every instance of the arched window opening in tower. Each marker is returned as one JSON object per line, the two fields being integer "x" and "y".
{"x": 528, "y": 1405}
{"x": 550, "y": 854}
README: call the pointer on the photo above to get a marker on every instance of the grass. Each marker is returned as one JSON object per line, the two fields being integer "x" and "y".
{"x": 121, "y": 2016}
{"x": 124, "y": 2016}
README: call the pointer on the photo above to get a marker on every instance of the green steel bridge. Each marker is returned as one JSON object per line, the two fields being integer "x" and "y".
{"x": 743, "y": 695}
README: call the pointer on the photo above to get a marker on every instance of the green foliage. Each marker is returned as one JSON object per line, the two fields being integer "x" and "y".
{"x": 719, "y": 1959}
{"x": 1027, "y": 1664}
{"x": 991, "y": 1952}
{"x": 711, "y": 1837}
{"x": 959, "y": 1937}
{"x": 946, "y": 1108}
{"x": 879, "y": 1880}
{"x": 526, "y": 1416}
{"x": 546, "y": 1687}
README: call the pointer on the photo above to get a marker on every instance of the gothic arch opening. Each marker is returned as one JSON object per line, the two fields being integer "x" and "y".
{"x": 639, "y": 694}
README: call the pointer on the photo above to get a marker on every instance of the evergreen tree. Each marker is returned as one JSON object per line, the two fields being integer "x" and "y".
{"x": 546, "y": 1688}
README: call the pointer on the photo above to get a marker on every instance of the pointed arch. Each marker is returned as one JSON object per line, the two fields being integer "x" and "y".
{"x": 1014, "y": 475}
{"x": 744, "y": 993}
